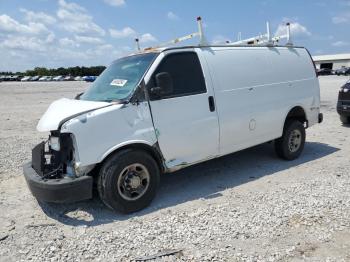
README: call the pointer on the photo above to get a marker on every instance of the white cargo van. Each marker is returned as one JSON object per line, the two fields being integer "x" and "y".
{"x": 169, "y": 108}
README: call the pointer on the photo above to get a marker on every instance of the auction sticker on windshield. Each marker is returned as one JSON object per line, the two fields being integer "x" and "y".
{"x": 118, "y": 82}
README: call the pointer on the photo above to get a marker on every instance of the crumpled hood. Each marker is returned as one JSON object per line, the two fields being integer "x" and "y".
{"x": 63, "y": 109}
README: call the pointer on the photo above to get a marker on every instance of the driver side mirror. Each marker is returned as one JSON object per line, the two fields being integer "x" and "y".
{"x": 164, "y": 84}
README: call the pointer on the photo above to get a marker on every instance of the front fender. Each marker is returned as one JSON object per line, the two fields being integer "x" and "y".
{"x": 100, "y": 132}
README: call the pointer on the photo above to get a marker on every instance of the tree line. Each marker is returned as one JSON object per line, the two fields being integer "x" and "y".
{"x": 72, "y": 71}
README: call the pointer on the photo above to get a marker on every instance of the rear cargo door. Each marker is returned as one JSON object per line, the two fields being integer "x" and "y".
{"x": 185, "y": 119}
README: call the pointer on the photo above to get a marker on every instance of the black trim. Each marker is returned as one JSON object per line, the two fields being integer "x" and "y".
{"x": 151, "y": 82}
{"x": 62, "y": 190}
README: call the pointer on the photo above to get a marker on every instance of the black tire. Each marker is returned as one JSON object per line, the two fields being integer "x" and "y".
{"x": 293, "y": 129}
{"x": 345, "y": 119}
{"x": 111, "y": 171}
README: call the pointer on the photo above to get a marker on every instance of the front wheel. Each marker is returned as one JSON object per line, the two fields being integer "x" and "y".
{"x": 345, "y": 119}
{"x": 128, "y": 180}
{"x": 291, "y": 144}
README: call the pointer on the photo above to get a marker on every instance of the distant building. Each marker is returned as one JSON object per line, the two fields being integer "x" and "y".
{"x": 332, "y": 61}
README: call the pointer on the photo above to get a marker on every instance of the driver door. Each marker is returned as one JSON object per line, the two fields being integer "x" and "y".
{"x": 185, "y": 118}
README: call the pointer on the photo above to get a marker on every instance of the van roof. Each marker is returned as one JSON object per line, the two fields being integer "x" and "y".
{"x": 162, "y": 49}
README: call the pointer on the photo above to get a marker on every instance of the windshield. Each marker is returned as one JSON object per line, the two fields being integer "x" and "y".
{"x": 119, "y": 79}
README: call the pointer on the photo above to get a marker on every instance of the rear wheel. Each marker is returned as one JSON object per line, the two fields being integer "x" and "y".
{"x": 128, "y": 181}
{"x": 345, "y": 119}
{"x": 291, "y": 144}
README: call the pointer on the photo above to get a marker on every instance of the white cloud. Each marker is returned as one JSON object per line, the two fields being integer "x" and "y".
{"x": 67, "y": 42}
{"x": 172, "y": 16}
{"x": 71, "y": 6}
{"x": 296, "y": 29}
{"x": 41, "y": 17}
{"x": 23, "y": 43}
{"x": 10, "y": 25}
{"x": 88, "y": 39}
{"x": 115, "y": 2}
{"x": 124, "y": 33}
{"x": 341, "y": 19}
{"x": 146, "y": 38}
{"x": 74, "y": 19}
{"x": 340, "y": 44}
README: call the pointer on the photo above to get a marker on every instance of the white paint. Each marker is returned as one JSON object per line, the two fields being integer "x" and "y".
{"x": 106, "y": 129}
{"x": 263, "y": 84}
{"x": 254, "y": 88}
{"x": 62, "y": 109}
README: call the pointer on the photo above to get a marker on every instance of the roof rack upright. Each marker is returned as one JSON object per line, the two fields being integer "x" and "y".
{"x": 200, "y": 34}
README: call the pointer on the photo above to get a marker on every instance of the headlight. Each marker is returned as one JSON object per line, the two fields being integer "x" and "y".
{"x": 54, "y": 143}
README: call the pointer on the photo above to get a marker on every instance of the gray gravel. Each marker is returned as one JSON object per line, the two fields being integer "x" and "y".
{"x": 248, "y": 206}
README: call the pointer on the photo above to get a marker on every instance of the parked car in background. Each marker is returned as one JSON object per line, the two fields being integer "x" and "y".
{"x": 324, "y": 72}
{"x": 35, "y": 78}
{"x": 343, "y": 71}
{"x": 343, "y": 105}
{"x": 26, "y": 79}
{"x": 89, "y": 78}
{"x": 68, "y": 78}
{"x": 78, "y": 78}
{"x": 43, "y": 78}
{"x": 58, "y": 78}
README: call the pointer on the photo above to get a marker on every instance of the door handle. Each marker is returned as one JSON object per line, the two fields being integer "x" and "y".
{"x": 211, "y": 103}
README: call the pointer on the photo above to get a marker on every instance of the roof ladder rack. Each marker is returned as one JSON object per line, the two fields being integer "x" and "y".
{"x": 260, "y": 40}
{"x": 266, "y": 39}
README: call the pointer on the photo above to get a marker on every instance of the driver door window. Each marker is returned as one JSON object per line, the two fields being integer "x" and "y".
{"x": 186, "y": 73}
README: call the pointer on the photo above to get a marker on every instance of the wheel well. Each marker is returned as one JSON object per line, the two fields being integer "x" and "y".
{"x": 152, "y": 150}
{"x": 297, "y": 113}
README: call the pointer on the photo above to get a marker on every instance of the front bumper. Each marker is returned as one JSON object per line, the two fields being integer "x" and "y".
{"x": 343, "y": 108}
{"x": 63, "y": 190}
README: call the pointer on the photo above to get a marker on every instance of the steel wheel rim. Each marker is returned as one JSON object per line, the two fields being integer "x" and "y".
{"x": 294, "y": 141}
{"x": 133, "y": 182}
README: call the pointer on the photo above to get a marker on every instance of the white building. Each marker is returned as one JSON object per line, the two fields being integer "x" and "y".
{"x": 332, "y": 61}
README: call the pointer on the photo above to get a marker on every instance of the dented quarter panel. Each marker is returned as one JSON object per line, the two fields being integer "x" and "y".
{"x": 100, "y": 132}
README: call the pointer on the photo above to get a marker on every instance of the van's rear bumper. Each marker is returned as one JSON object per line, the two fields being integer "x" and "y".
{"x": 58, "y": 190}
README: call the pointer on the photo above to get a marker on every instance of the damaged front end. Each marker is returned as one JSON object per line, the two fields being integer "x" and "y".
{"x": 54, "y": 158}
{"x": 53, "y": 175}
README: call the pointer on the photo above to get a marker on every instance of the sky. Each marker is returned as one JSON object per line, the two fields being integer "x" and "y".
{"x": 55, "y": 33}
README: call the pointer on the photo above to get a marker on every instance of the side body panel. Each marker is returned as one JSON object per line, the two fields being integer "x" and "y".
{"x": 256, "y": 87}
{"x": 100, "y": 132}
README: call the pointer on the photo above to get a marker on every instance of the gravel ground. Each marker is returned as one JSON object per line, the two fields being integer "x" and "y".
{"x": 229, "y": 209}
